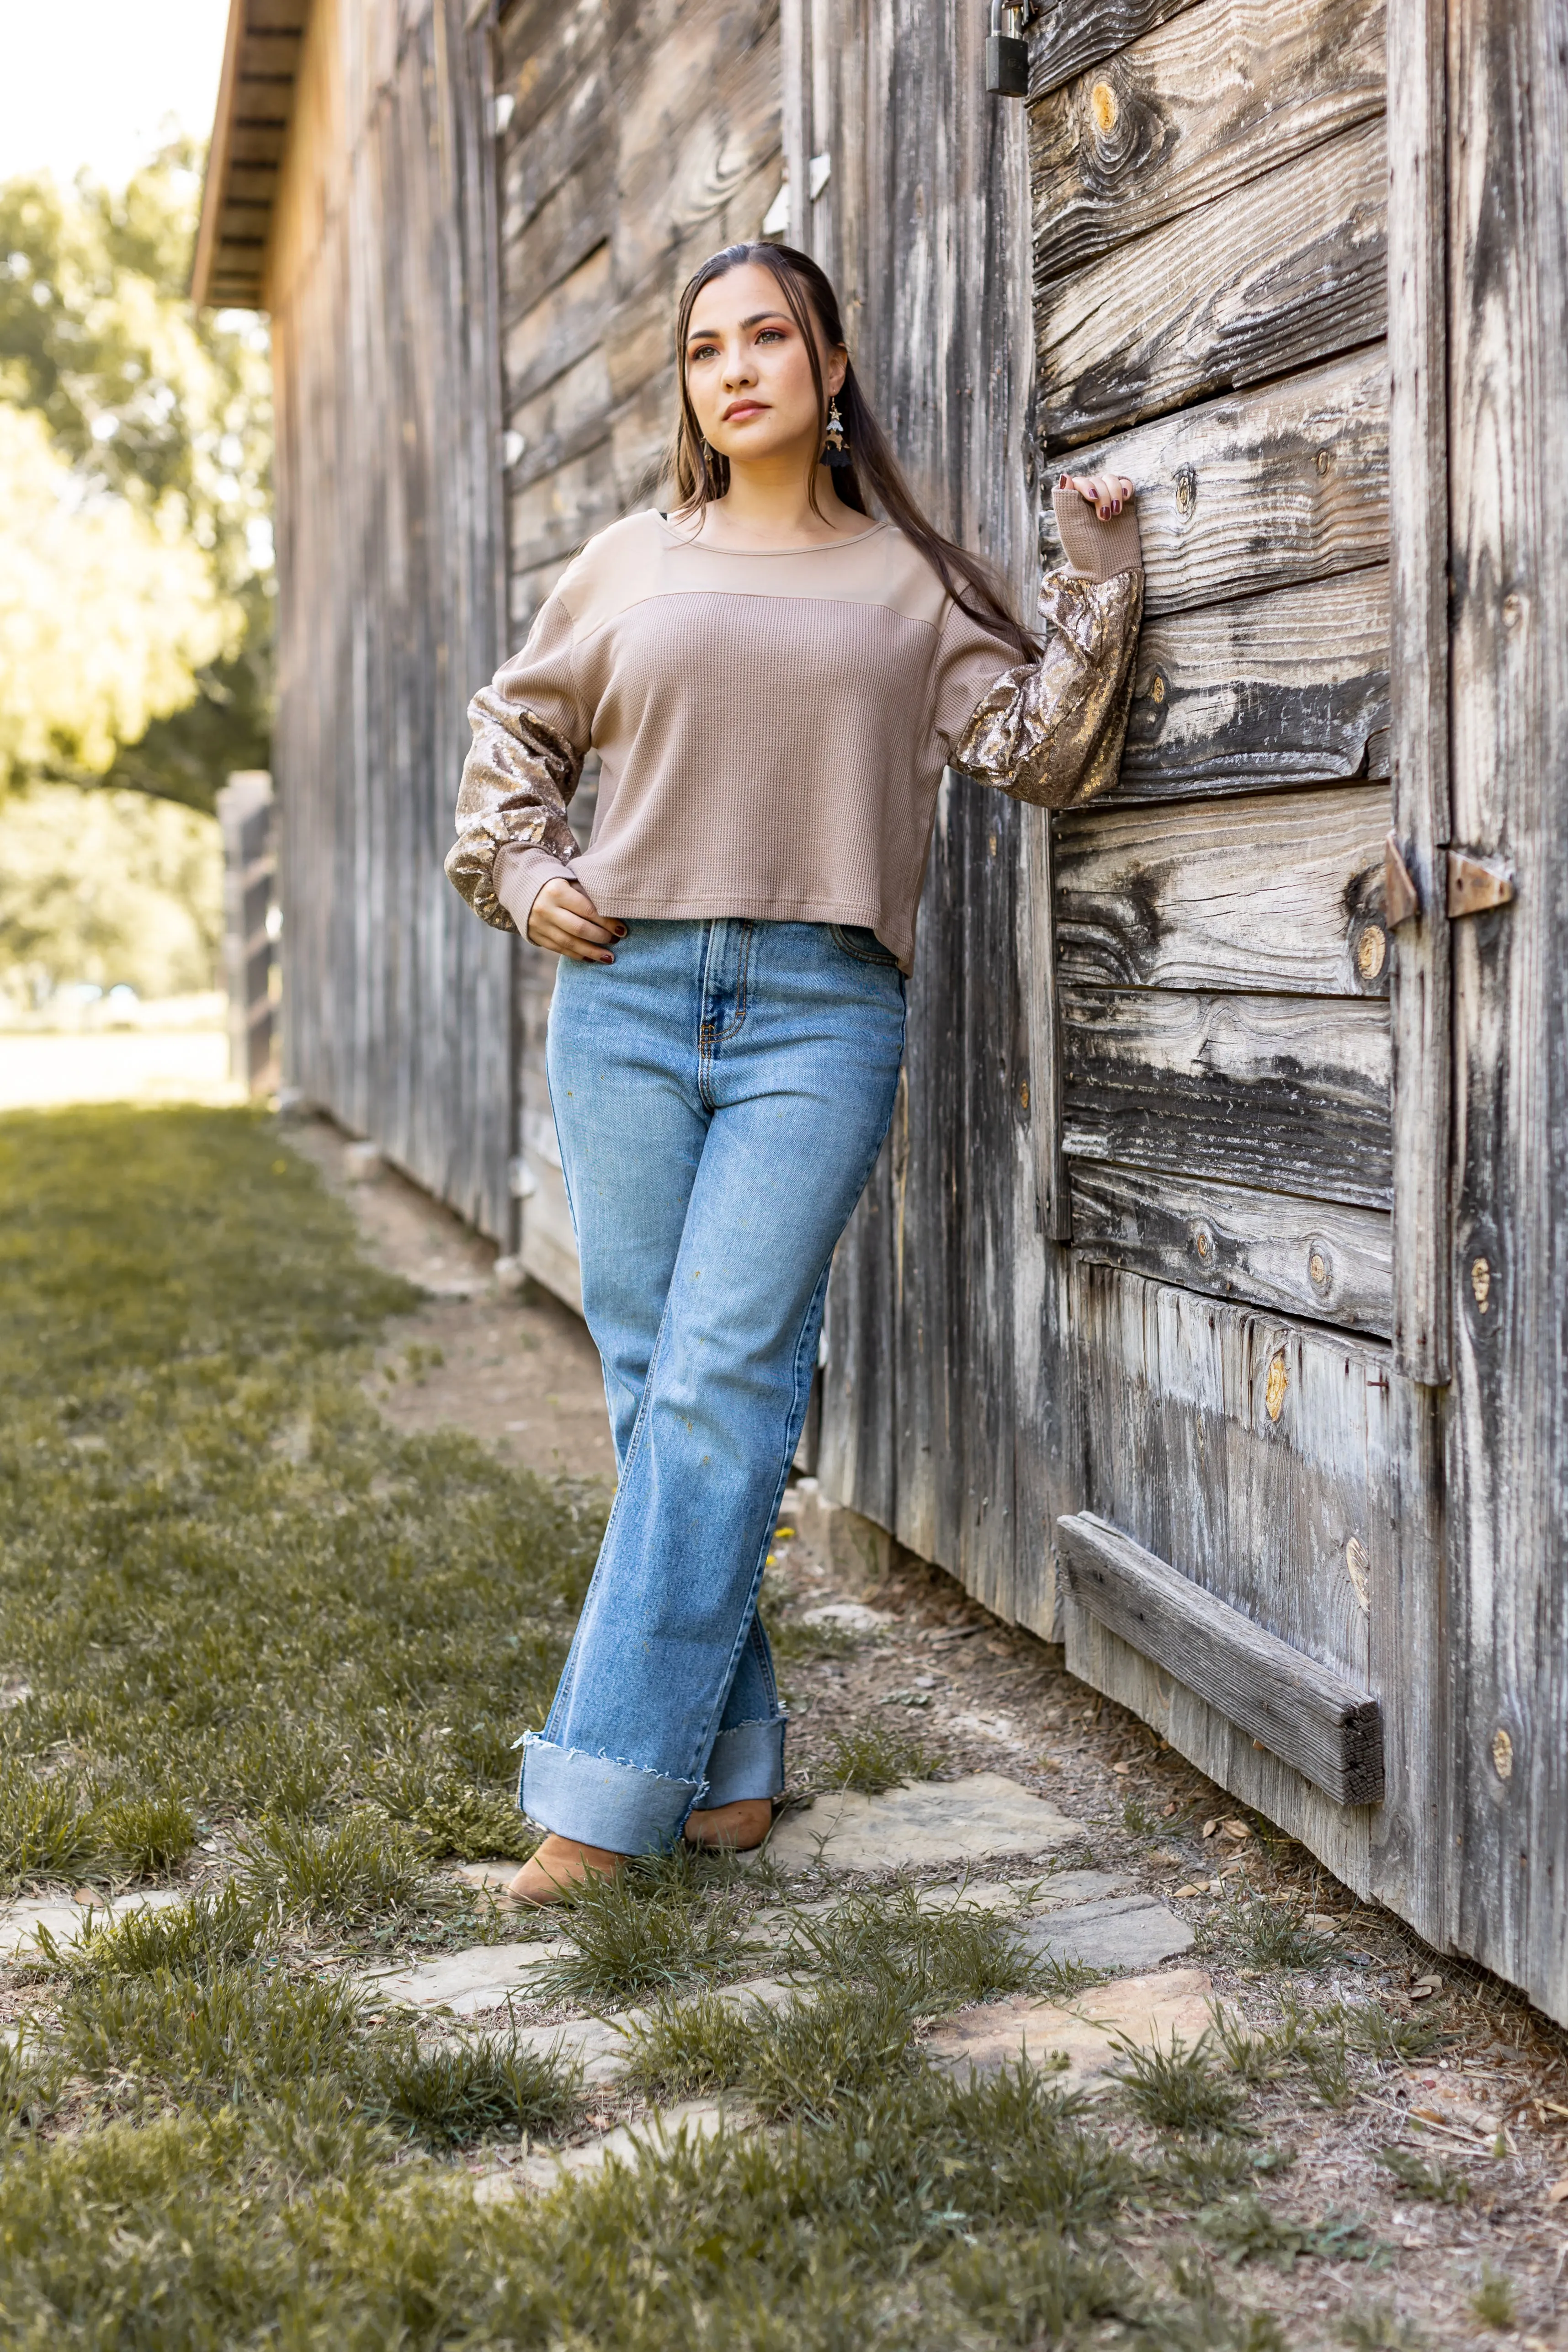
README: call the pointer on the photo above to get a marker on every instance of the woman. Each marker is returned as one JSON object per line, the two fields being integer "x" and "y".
{"x": 774, "y": 681}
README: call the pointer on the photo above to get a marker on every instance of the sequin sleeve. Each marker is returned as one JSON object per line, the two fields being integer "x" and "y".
{"x": 530, "y": 735}
{"x": 1051, "y": 730}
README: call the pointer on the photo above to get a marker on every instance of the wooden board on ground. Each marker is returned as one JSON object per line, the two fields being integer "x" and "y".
{"x": 1315, "y": 1720}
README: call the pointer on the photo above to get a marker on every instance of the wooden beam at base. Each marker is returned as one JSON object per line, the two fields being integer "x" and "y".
{"x": 1307, "y": 1715}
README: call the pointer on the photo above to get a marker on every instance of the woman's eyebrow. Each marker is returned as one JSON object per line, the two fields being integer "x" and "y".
{"x": 710, "y": 334}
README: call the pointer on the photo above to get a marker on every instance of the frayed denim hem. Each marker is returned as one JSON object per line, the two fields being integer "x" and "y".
{"x": 623, "y": 1807}
{"x": 748, "y": 1760}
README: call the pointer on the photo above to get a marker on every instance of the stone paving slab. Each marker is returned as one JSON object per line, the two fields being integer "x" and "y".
{"x": 1142, "y": 2008}
{"x": 544, "y": 2168}
{"x": 1030, "y": 1897}
{"x": 481, "y": 1977}
{"x": 1126, "y": 1931}
{"x": 20, "y": 1922}
{"x": 602, "y": 2045}
{"x": 920, "y": 1823}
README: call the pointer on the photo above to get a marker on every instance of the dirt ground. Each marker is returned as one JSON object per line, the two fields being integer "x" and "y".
{"x": 1481, "y": 2260}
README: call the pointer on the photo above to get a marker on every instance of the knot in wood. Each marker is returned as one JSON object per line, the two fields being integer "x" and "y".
{"x": 1186, "y": 491}
{"x": 1371, "y": 951}
{"x": 1278, "y": 1382}
{"x": 1357, "y": 1563}
{"x": 1103, "y": 107}
{"x": 1502, "y": 1754}
{"x": 1325, "y": 460}
{"x": 1319, "y": 1266}
{"x": 1203, "y": 1243}
{"x": 1158, "y": 689}
{"x": 1480, "y": 1282}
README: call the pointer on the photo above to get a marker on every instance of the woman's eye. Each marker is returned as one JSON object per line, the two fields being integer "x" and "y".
{"x": 772, "y": 335}
{"x": 704, "y": 352}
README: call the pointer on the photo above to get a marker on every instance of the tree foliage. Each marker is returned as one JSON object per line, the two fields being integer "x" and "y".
{"x": 135, "y": 547}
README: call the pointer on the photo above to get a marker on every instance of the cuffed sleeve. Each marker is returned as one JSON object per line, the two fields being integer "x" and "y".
{"x": 530, "y": 735}
{"x": 1051, "y": 730}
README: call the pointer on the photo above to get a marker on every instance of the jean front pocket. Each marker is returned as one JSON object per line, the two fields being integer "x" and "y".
{"x": 862, "y": 944}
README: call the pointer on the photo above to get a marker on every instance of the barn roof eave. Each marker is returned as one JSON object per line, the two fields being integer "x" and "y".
{"x": 256, "y": 99}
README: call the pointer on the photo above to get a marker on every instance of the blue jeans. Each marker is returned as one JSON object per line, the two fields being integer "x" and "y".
{"x": 720, "y": 1092}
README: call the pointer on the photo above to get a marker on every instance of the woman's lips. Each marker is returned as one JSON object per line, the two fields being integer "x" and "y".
{"x": 743, "y": 409}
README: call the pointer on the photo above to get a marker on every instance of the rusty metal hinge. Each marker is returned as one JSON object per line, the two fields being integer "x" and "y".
{"x": 1400, "y": 898}
{"x": 1477, "y": 883}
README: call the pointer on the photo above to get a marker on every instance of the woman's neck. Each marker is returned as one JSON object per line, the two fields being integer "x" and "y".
{"x": 769, "y": 505}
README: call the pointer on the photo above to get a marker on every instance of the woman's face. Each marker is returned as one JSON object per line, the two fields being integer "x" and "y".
{"x": 749, "y": 370}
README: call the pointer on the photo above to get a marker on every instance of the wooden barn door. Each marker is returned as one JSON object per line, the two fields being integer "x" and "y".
{"x": 1254, "y": 1564}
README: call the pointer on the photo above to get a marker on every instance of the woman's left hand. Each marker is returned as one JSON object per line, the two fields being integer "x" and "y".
{"x": 1106, "y": 493}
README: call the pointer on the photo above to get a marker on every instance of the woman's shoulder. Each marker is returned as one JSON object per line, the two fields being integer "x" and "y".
{"x": 606, "y": 560}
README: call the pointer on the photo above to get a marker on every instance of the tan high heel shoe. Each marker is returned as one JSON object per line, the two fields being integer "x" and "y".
{"x": 741, "y": 1828}
{"x": 555, "y": 1867}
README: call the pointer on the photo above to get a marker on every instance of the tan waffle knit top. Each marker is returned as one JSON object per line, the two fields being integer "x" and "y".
{"x": 772, "y": 728}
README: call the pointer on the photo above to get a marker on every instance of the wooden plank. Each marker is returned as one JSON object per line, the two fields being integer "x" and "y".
{"x": 568, "y": 418}
{"x": 553, "y": 516}
{"x": 1199, "y": 106}
{"x": 1286, "y": 1093}
{"x": 559, "y": 331}
{"x": 1267, "y": 691}
{"x": 1282, "y": 272}
{"x": 1038, "y": 953}
{"x": 922, "y": 226}
{"x": 1256, "y": 1451}
{"x": 561, "y": 235}
{"x": 1313, "y": 1718}
{"x": 1311, "y": 1258}
{"x": 537, "y": 163}
{"x": 1066, "y": 39}
{"x": 1508, "y": 428}
{"x": 1260, "y": 489}
{"x": 1418, "y": 660}
{"x": 545, "y": 51}
{"x": 385, "y": 352}
{"x": 1282, "y": 893}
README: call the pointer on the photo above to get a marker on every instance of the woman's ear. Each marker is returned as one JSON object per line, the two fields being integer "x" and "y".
{"x": 838, "y": 367}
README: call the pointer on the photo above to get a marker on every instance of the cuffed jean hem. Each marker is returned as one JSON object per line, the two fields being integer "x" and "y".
{"x": 601, "y": 1803}
{"x": 747, "y": 1761}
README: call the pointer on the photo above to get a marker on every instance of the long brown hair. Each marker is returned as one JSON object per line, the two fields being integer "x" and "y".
{"x": 700, "y": 473}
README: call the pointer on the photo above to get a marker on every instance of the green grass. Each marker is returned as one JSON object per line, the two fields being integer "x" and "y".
{"x": 877, "y": 1759}
{"x": 668, "y": 1920}
{"x": 1439, "y": 2183}
{"x": 936, "y": 1959}
{"x": 1177, "y": 2089}
{"x": 255, "y": 1623}
{"x": 235, "y": 1592}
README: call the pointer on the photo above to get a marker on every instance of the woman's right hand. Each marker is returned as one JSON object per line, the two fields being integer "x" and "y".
{"x": 565, "y": 920}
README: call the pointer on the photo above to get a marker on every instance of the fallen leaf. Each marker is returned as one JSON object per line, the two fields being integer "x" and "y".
{"x": 1168, "y": 1812}
{"x": 1238, "y": 1830}
{"x": 1122, "y": 1769}
{"x": 1209, "y": 1828}
{"x": 1185, "y": 1893}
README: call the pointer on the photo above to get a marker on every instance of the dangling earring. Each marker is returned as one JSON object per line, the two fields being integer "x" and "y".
{"x": 837, "y": 451}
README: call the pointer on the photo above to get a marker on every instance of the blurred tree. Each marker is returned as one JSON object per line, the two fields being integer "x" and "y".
{"x": 135, "y": 546}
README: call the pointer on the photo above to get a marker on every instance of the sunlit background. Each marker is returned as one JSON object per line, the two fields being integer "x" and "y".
{"x": 135, "y": 557}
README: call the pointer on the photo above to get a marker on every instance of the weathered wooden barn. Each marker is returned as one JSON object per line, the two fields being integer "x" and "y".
{"x": 1206, "y": 1309}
